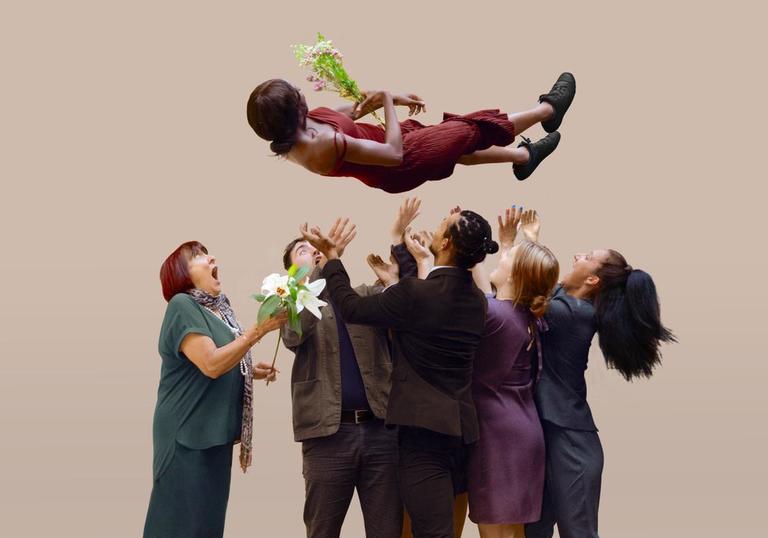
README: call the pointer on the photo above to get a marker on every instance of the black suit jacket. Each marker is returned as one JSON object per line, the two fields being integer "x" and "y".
{"x": 437, "y": 325}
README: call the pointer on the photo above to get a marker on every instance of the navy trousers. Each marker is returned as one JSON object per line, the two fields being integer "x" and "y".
{"x": 572, "y": 484}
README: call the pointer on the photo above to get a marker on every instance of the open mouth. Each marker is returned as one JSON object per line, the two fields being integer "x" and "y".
{"x": 215, "y": 273}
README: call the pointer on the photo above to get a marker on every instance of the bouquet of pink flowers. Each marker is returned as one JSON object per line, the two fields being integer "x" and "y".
{"x": 328, "y": 71}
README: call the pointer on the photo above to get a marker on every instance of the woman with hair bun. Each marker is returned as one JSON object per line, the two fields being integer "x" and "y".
{"x": 602, "y": 294}
{"x": 506, "y": 466}
{"x": 403, "y": 155}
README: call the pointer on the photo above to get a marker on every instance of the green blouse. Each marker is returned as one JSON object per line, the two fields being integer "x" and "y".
{"x": 193, "y": 409}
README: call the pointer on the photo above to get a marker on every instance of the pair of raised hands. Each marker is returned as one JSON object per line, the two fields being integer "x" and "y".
{"x": 516, "y": 220}
{"x": 512, "y": 221}
{"x": 341, "y": 234}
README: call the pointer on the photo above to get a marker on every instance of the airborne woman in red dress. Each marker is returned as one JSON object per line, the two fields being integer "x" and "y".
{"x": 402, "y": 155}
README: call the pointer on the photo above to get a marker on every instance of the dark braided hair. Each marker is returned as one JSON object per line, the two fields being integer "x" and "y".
{"x": 472, "y": 239}
{"x": 628, "y": 318}
{"x": 276, "y": 112}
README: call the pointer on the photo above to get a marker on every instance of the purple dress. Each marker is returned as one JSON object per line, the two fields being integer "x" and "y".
{"x": 506, "y": 466}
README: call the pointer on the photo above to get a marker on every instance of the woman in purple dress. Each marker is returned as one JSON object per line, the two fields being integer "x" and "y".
{"x": 506, "y": 466}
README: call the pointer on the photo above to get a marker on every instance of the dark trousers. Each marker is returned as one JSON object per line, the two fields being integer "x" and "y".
{"x": 572, "y": 484}
{"x": 362, "y": 456}
{"x": 430, "y": 472}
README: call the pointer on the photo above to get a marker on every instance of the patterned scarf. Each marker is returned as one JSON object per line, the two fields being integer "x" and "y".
{"x": 221, "y": 303}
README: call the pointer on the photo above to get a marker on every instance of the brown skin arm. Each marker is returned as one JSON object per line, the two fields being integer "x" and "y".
{"x": 325, "y": 147}
{"x": 216, "y": 361}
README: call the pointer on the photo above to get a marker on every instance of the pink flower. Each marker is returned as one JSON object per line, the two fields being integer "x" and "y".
{"x": 319, "y": 85}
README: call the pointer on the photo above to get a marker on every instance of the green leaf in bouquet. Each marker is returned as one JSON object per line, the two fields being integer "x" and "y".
{"x": 301, "y": 273}
{"x": 292, "y": 269}
{"x": 294, "y": 321}
{"x": 259, "y": 297}
{"x": 268, "y": 308}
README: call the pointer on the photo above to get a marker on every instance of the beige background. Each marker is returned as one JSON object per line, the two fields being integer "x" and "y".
{"x": 124, "y": 134}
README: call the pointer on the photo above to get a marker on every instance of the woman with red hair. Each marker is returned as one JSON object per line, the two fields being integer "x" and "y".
{"x": 204, "y": 400}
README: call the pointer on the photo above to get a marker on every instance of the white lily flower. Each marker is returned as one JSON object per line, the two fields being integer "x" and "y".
{"x": 308, "y": 298}
{"x": 316, "y": 286}
{"x": 275, "y": 284}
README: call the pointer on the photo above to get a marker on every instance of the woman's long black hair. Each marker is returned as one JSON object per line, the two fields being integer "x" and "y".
{"x": 628, "y": 317}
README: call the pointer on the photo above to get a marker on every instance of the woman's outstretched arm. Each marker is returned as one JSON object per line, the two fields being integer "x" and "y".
{"x": 216, "y": 361}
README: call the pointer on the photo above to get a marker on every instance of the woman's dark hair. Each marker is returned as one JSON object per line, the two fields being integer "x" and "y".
{"x": 276, "y": 111}
{"x": 174, "y": 274}
{"x": 628, "y": 318}
{"x": 472, "y": 239}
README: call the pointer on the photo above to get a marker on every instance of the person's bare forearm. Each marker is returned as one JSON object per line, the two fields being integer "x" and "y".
{"x": 394, "y": 137}
{"x": 216, "y": 361}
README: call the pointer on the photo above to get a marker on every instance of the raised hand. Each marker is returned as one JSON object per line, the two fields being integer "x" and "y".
{"x": 425, "y": 237}
{"x": 386, "y": 272}
{"x": 315, "y": 237}
{"x": 508, "y": 227}
{"x": 406, "y": 214}
{"x": 530, "y": 224}
{"x": 414, "y": 103}
{"x": 340, "y": 236}
{"x": 417, "y": 246}
{"x": 455, "y": 209}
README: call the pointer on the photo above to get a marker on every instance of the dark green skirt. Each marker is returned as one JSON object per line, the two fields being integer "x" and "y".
{"x": 189, "y": 499}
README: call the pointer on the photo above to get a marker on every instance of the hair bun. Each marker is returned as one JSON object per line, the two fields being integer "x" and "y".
{"x": 280, "y": 147}
{"x": 491, "y": 246}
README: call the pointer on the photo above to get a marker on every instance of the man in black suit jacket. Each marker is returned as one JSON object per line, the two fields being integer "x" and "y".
{"x": 437, "y": 324}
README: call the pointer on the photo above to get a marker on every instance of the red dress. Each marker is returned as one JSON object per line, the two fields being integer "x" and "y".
{"x": 430, "y": 152}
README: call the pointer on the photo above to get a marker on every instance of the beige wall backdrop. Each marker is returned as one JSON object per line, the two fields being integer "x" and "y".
{"x": 124, "y": 134}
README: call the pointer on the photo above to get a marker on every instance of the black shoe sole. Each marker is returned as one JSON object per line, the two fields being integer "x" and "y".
{"x": 560, "y": 104}
{"x": 539, "y": 150}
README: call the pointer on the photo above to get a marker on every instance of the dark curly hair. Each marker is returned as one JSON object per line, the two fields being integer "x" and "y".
{"x": 472, "y": 239}
{"x": 276, "y": 112}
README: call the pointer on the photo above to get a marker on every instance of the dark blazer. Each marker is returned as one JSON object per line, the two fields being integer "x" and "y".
{"x": 437, "y": 325}
{"x": 561, "y": 394}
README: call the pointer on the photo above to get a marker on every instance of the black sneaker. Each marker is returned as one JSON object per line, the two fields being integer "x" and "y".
{"x": 539, "y": 151}
{"x": 560, "y": 97}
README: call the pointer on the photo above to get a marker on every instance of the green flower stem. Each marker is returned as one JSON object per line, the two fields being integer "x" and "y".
{"x": 277, "y": 348}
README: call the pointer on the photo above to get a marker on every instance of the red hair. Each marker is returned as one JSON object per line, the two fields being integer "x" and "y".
{"x": 174, "y": 274}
